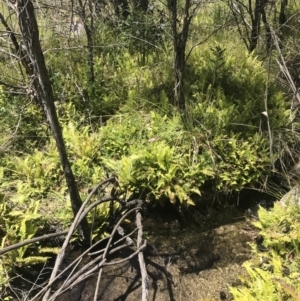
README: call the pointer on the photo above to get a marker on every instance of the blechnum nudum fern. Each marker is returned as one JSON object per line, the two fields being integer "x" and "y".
{"x": 153, "y": 154}
{"x": 274, "y": 275}
{"x": 18, "y": 225}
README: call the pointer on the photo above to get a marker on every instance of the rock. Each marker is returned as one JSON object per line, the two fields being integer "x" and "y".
{"x": 292, "y": 197}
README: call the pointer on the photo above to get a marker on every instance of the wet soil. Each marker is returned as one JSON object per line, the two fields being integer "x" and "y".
{"x": 190, "y": 260}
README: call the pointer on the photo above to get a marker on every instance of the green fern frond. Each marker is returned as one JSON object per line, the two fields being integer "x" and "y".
{"x": 31, "y": 260}
{"x": 288, "y": 289}
{"x": 54, "y": 250}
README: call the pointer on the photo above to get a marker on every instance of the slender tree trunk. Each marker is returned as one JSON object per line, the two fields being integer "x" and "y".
{"x": 42, "y": 88}
{"x": 89, "y": 28}
{"x": 255, "y": 18}
{"x": 179, "y": 46}
{"x": 268, "y": 30}
{"x": 258, "y": 13}
{"x": 238, "y": 13}
{"x": 282, "y": 17}
{"x": 179, "y": 66}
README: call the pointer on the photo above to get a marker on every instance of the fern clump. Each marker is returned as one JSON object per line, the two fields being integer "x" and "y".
{"x": 17, "y": 224}
{"x": 154, "y": 155}
{"x": 274, "y": 275}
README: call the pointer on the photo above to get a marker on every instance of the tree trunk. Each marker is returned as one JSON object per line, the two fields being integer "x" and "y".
{"x": 89, "y": 28}
{"x": 282, "y": 17}
{"x": 179, "y": 66}
{"x": 255, "y": 18}
{"x": 268, "y": 30}
{"x": 43, "y": 90}
{"x": 179, "y": 46}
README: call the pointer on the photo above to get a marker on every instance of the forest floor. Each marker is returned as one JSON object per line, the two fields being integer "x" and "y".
{"x": 195, "y": 260}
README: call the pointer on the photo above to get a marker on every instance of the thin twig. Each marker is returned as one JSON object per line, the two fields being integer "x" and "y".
{"x": 98, "y": 284}
{"x": 284, "y": 69}
{"x": 267, "y": 115}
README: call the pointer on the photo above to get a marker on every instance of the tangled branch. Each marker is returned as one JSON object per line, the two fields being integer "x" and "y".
{"x": 98, "y": 260}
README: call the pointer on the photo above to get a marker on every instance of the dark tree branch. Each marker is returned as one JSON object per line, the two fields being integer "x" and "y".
{"x": 31, "y": 241}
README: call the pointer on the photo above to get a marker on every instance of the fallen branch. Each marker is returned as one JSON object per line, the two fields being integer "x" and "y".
{"x": 75, "y": 274}
{"x": 32, "y": 240}
{"x": 85, "y": 271}
{"x": 145, "y": 279}
{"x": 80, "y": 215}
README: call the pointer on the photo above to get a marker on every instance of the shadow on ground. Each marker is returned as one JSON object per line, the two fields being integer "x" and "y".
{"x": 185, "y": 263}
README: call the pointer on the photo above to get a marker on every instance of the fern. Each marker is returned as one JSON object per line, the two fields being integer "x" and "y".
{"x": 31, "y": 260}
{"x": 275, "y": 275}
{"x": 259, "y": 286}
{"x": 288, "y": 289}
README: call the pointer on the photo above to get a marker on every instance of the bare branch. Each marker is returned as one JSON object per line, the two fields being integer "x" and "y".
{"x": 145, "y": 279}
{"x": 85, "y": 271}
{"x": 284, "y": 69}
{"x": 31, "y": 241}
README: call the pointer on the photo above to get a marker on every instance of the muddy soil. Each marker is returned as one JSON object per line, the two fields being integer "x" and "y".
{"x": 189, "y": 260}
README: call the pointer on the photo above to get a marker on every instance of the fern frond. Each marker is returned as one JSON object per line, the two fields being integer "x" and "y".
{"x": 31, "y": 260}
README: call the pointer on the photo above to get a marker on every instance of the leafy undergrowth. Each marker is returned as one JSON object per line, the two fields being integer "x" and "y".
{"x": 153, "y": 156}
{"x": 146, "y": 145}
{"x": 275, "y": 273}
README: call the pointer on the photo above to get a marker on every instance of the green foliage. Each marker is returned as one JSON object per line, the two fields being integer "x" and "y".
{"x": 142, "y": 32}
{"x": 259, "y": 287}
{"x": 33, "y": 195}
{"x": 21, "y": 125}
{"x": 158, "y": 170}
{"x": 153, "y": 154}
{"x": 274, "y": 275}
{"x": 84, "y": 152}
{"x": 18, "y": 224}
{"x": 240, "y": 161}
{"x": 227, "y": 90}
{"x": 38, "y": 176}
{"x": 281, "y": 230}
{"x": 103, "y": 97}
{"x": 98, "y": 219}
{"x": 124, "y": 123}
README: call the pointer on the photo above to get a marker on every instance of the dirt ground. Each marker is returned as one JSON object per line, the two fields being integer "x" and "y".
{"x": 186, "y": 261}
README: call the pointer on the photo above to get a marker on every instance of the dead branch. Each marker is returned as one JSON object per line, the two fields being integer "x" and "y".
{"x": 98, "y": 284}
{"x": 145, "y": 279}
{"x": 284, "y": 69}
{"x": 74, "y": 225}
{"x": 32, "y": 240}
{"x": 89, "y": 268}
{"x": 76, "y": 274}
